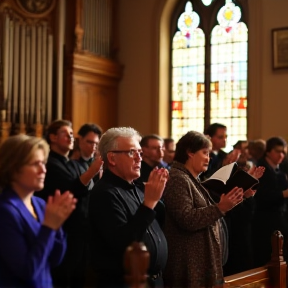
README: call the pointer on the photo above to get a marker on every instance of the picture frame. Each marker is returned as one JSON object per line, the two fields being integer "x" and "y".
{"x": 280, "y": 48}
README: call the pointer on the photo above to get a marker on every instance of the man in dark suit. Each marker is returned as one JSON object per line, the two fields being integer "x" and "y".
{"x": 218, "y": 135}
{"x": 169, "y": 152}
{"x": 86, "y": 145}
{"x": 88, "y": 140}
{"x": 120, "y": 213}
{"x": 64, "y": 174}
{"x": 152, "y": 155}
{"x": 152, "y": 147}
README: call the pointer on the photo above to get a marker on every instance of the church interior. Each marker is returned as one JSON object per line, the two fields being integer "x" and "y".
{"x": 109, "y": 62}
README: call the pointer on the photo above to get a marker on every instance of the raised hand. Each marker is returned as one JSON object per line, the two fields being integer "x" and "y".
{"x": 97, "y": 163}
{"x": 249, "y": 193}
{"x": 230, "y": 200}
{"x": 257, "y": 172}
{"x": 231, "y": 157}
{"x": 154, "y": 187}
{"x": 58, "y": 209}
{"x": 94, "y": 168}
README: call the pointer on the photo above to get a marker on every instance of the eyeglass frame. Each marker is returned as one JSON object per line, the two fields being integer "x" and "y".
{"x": 89, "y": 142}
{"x": 65, "y": 134}
{"x": 131, "y": 152}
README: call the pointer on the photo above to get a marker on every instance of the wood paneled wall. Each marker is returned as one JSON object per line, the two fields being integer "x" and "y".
{"x": 92, "y": 79}
{"x": 92, "y": 91}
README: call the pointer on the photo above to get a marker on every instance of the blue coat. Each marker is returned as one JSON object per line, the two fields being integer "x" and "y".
{"x": 27, "y": 249}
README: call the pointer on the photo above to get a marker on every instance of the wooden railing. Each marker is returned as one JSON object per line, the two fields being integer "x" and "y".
{"x": 136, "y": 263}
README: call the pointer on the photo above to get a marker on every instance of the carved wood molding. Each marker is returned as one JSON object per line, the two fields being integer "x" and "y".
{"x": 36, "y": 8}
{"x": 79, "y": 32}
{"x": 24, "y": 9}
{"x": 87, "y": 63}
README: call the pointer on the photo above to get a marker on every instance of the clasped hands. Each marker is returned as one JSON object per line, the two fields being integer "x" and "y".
{"x": 154, "y": 187}
{"x": 58, "y": 209}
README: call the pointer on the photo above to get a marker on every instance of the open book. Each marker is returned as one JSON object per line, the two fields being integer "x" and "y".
{"x": 228, "y": 177}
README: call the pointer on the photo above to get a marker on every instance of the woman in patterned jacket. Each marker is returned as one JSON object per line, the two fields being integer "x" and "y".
{"x": 193, "y": 220}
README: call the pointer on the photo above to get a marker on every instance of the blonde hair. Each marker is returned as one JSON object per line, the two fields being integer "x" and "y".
{"x": 17, "y": 151}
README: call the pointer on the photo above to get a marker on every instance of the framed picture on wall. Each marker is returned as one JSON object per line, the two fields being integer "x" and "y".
{"x": 280, "y": 48}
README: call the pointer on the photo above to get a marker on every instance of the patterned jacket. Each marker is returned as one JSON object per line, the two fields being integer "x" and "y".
{"x": 192, "y": 231}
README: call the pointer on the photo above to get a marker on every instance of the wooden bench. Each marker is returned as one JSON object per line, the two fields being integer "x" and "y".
{"x": 272, "y": 275}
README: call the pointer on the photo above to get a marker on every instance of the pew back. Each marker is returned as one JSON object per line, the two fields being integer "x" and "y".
{"x": 272, "y": 275}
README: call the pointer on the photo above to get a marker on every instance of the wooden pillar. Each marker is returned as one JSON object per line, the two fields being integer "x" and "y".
{"x": 277, "y": 266}
{"x": 136, "y": 263}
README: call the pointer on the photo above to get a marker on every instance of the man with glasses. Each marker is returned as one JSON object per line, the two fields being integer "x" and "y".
{"x": 66, "y": 175}
{"x": 169, "y": 152}
{"x": 152, "y": 147}
{"x": 121, "y": 213}
{"x": 86, "y": 148}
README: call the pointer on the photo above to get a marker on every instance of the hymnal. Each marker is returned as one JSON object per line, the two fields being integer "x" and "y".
{"x": 228, "y": 177}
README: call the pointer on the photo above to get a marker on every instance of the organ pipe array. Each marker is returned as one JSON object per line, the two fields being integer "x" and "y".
{"x": 27, "y": 52}
{"x": 96, "y": 22}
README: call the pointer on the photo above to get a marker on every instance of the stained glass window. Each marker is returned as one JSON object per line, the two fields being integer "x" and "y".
{"x": 227, "y": 47}
{"x": 188, "y": 58}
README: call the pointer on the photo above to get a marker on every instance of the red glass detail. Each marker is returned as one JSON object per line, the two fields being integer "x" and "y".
{"x": 228, "y": 29}
{"x": 242, "y": 103}
{"x": 176, "y": 105}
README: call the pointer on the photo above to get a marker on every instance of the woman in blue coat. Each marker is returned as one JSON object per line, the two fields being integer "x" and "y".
{"x": 31, "y": 239}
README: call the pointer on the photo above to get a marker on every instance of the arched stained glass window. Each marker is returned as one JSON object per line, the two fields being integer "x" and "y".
{"x": 188, "y": 59}
{"x": 212, "y": 86}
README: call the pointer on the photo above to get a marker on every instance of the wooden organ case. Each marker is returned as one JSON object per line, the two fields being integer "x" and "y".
{"x": 57, "y": 60}
{"x": 92, "y": 72}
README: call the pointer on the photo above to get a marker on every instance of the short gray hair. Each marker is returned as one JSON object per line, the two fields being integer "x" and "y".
{"x": 108, "y": 140}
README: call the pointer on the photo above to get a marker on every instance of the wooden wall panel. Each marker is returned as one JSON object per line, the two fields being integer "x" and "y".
{"x": 95, "y": 104}
{"x": 92, "y": 91}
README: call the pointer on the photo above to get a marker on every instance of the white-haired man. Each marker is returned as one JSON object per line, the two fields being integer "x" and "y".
{"x": 120, "y": 213}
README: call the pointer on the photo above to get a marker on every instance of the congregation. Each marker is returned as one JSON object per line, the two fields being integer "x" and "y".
{"x": 69, "y": 207}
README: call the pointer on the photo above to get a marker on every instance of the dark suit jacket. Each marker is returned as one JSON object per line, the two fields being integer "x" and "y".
{"x": 270, "y": 213}
{"x": 85, "y": 164}
{"x": 117, "y": 218}
{"x": 64, "y": 174}
{"x": 27, "y": 249}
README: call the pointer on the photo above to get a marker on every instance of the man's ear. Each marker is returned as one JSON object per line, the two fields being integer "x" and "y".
{"x": 80, "y": 139}
{"x": 52, "y": 137}
{"x": 144, "y": 149}
{"x": 111, "y": 159}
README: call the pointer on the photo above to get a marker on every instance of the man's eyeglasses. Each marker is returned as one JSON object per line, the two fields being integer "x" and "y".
{"x": 131, "y": 153}
{"x": 158, "y": 148}
{"x": 66, "y": 134}
{"x": 92, "y": 143}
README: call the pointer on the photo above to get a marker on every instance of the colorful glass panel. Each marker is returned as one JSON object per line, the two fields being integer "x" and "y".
{"x": 188, "y": 58}
{"x": 229, "y": 55}
{"x": 228, "y": 79}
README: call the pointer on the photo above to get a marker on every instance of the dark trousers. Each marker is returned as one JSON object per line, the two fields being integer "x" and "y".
{"x": 71, "y": 273}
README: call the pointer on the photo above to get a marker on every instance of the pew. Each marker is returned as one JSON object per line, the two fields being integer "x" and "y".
{"x": 272, "y": 275}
